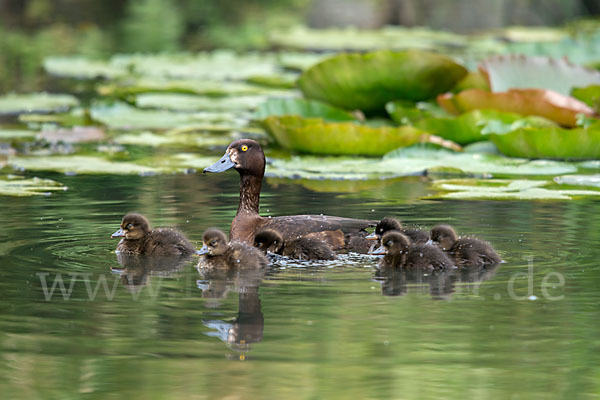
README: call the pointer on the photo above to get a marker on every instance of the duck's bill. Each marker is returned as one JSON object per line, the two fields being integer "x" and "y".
{"x": 119, "y": 233}
{"x": 202, "y": 251}
{"x": 372, "y": 236}
{"x": 223, "y": 164}
{"x": 379, "y": 251}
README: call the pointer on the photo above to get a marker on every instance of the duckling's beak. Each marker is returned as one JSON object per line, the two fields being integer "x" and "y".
{"x": 380, "y": 251}
{"x": 372, "y": 236}
{"x": 223, "y": 164}
{"x": 202, "y": 251}
{"x": 119, "y": 233}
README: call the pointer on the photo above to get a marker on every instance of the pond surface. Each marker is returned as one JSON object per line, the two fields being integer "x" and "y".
{"x": 527, "y": 329}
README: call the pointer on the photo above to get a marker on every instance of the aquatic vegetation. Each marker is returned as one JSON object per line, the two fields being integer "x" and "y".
{"x": 19, "y": 186}
{"x": 15, "y": 104}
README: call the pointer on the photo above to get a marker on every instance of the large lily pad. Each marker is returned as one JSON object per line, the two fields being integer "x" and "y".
{"x": 497, "y": 189}
{"x": 12, "y": 185}
{"x": 368, "y": 81}
{"x": 544, "y": 103}
{"x": 15, "y": 104}
{"x": 313, "y": 135}
{"x": 303, "y": 108}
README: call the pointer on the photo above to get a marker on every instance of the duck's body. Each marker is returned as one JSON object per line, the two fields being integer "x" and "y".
{"x": 302, "y": 248}
{"x": 247, "y": 157}
{"x": 137, "y": 237}
{"x": 400, "y": 253}
{"x": 464, "y": 251}
{"x": 389, "y": 224}
{"x": 217, "y": 253}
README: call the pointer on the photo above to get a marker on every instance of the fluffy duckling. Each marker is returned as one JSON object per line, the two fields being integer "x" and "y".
{"x": 465, "y": 251}
{"x": 400, "y": 253}
{"x": 302, "y": 248}
{"x": 137, "y": 237}
{"x": 218, "y": 253}
{"x": 389, "y": 224}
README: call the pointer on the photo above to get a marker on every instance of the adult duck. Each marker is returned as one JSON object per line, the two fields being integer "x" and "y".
{"x": 302, "y": 248}
{"x": 466, "y": 251}
{"x": 248, "y": 159}
{"x": 138, "y": 237}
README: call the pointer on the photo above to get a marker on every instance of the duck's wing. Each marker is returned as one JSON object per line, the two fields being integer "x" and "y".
{"x": 300, "y": 225}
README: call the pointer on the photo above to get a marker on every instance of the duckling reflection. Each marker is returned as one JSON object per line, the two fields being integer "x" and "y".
{"x": 247, "y": 326}
{"x": 136, "y": 268}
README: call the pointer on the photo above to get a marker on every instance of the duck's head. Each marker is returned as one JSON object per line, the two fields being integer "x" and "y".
{"x": 214, "y": 243}
{"x": 443, "y": 236}
{"x": 245, "y": 155}
{"x": 393, "y": 243}
{"x": 268, "y": 240}
{"x": 133, "y": 227}
{"x": 386, "y": 224}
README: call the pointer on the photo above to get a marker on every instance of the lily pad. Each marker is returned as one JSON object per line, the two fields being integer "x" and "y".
{"x": 474, "y": 189}
{"x": 10, "y": 134}
{"x": 15, "y": 104}
{"x": 77, "y": 164}
{"x": 18, "y": 186}
{"x": 83, "y": 68}
{"x": 368, "y": 81}
{"x": 77, "y": 134}
{"x": 590, "y": 95}
{"x": 505, "y": 72}
{"x": 176, "y": 140}
{"x": 544, "y": 103}
{"x": 579, "y": 180}
{"x": 187, "y": 102}
{"x": 201, "y": 87}
{"x": 314, "y": 135}
{"x": 303, "y": 108}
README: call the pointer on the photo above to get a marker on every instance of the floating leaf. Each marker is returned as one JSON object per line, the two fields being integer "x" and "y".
{"x": 545, "y": 103}
{"x": 303, "y": 108}
{"x": 200, "y": 87}
{"x": 16, "y": 134}
{"x": 83, "y": 68}
{"x": 580, "y": 180}
{"x": 497, "y": 189}
{"x": 590, "y": 95}
{"x": 282, "y": 81}
{"x": 12, "y": 185}
{"x": 188, "y": 102}
{"x": 368, "y": 81}
{"x": 181, "y": 140}
{"x": 77, "y": 164}
{"x": 15, "y": 104}
{"x": 313, "y": 135}
{"x": 511, "y": 71}
{"x": 77, "y": 134}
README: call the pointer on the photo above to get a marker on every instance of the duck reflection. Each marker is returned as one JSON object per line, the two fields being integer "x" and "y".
{"x": 247, "y": 327}
{"x": 440, "y": 285}
{"x": 135, "y": 269}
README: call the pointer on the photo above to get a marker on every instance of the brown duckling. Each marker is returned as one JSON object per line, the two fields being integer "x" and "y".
{"x": 464, "y": 251}
{"x": 400, "y": 253}
{"x": 138, "y": 237}
{"x": 302, "y": 248}
{"x": 218, "y": 253}
{"x": 248, "y": 159}
{"x": 388, "y": 224}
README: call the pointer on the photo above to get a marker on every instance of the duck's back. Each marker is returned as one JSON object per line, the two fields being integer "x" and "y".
{"x": 473, "y": 252}
{"x": 240, "y": 255}
{"x": 166, "y": 242}
{"x": 427, "y": 257}
{"x": 416, "y": 236}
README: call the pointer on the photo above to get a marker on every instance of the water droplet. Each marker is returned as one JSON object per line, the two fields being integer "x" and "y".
{"x": 532, "y": 297}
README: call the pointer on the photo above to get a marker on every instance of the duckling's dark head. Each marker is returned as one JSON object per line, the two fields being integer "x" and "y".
{"x": 133, "y": 227}
{"x": 443, "y": 236}
{"x": 214, "y": 243}
{"x": 245, "y": 155}
{"x": 386, "y": 224}
{"x": 268, "y": 240}
{"x": 393, "y": 243}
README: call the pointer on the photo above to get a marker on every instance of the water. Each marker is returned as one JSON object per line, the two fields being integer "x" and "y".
{"x": 301, "y": 331}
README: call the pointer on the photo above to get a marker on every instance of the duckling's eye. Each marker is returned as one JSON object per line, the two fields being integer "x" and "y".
{"x": 244, "y": 147}
{"x": 213, "y": 243}
{"x": 129, "y": 226}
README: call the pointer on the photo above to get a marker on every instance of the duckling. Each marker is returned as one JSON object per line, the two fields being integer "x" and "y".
{"x": 465, "y": 251}
{"x": 219, "y": 254}
{"x": 400, "y": 253}
{"x": 302, "y": 248}
{"x": 139, "y": 238}
{"x": 388, "y": 224}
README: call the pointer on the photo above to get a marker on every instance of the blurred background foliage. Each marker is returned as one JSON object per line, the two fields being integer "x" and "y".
{"x": 31, "y": 30}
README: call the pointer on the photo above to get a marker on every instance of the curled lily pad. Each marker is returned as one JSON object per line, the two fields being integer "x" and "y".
{"x": 313, "y": 135}
{"x": 15, "y": 104}
{"x": 303, "y": 108}
{"x": 78, "y": 164}
{"x": 497, "y": 189}
{"x": 188, "y": 102}
{"x": 368, "y": 81}
{"x": 544, "y": 103}
{"x": 12, "y": 185}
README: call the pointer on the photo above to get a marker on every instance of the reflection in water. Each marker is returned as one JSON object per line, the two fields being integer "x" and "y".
{"x": 439, "y": 284}
{"x": 137, "y": 268}
{"x": 247, "y": 327}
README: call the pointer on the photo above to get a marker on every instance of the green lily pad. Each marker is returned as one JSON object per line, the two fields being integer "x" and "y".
{"x": 18, "y": 186}
{"x": 281, "y": 81}
{"x": 303, "y": 108}
{"x": 368, "y": 81}
{"x": 78, "y": 164}
{"x": 579, "y": 180}
{"x": 590, "y": 95}
{"x": 314, "y": 135}
{"x": 15, "y": 104}
{"x": 505, "y": 72}
{"x": 201, "y": 87}
{"x": 497, "y": 189}
{"x": 83, "y": 68}
{"x": 176, "y": 140}
{"x": 187, "y": 102}
{"x": 10, "y": 134}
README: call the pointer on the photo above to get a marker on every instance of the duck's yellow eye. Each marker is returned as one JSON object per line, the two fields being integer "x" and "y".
{"x": 244, "y": 148}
